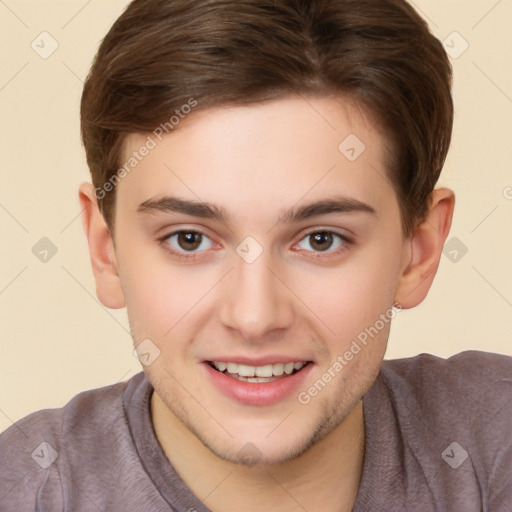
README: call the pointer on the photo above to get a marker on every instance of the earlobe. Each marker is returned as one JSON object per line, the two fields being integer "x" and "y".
{"x": 424, "y": 249}
{"x": 101, "y": 250}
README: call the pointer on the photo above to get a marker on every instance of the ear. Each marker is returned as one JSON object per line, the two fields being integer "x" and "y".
{"x": 101, "y": 249}
{"x": 423, "y": 250}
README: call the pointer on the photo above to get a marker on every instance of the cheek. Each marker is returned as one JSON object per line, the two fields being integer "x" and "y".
{"x": 159, "y": 295}
{"x": 350, "y": 298}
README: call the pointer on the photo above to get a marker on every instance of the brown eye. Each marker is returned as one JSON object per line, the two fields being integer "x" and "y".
{"x": 188, "y": 241}
{"x": 322, "y": 241}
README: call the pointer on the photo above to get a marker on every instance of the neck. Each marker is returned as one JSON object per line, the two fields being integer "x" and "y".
{"x": 326, "y": 477}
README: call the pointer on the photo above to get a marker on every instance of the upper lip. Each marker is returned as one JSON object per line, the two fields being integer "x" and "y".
{"x": 258, "y": 361}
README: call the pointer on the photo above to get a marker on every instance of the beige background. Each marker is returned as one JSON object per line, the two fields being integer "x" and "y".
{"x": 58, "y": 340}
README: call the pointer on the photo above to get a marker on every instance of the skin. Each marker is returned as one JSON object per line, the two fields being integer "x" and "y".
{"x": 256, "y": 163}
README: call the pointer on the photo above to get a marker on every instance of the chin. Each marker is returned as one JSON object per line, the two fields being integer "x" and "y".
{"x": 253, "y": 454}
{"x": 252, "y": 448}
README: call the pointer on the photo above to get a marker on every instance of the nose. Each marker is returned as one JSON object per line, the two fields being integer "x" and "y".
{"x": 255, "y": 302}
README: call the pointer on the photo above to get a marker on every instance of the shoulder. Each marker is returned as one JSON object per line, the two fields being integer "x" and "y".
{"x": 464, "y": 391}
{"x": 461, "y": 361}
{"x": 86, "y": 408}
{"x": 465, "y": 378}
{"x": 456, "y": 410}
{"x": 37, "y": 450}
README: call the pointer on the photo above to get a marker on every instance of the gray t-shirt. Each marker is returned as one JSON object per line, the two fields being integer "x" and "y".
{"x": 438, "y": 438}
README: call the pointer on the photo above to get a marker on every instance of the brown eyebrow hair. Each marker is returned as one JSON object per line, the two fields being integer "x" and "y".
{"x": 209, "y": 211}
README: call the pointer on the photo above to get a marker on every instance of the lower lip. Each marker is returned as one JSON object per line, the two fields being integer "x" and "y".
{"x": 257, "y": 393}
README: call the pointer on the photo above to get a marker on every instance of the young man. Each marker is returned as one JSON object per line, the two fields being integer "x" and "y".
{"x": 263, "y": 204}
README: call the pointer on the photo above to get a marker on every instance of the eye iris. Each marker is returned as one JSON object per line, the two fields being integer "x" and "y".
{"x": 189, "y": 240}
{"x": 321, "y": 241}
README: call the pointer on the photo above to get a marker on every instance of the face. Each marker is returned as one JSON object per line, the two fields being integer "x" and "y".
{"x": 261, "y": 259}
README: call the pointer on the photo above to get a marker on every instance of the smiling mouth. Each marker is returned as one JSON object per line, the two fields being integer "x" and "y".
{"x": 258, "y": 374}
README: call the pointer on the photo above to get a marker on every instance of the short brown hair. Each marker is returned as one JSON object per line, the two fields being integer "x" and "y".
{"x": 160, "y": 54}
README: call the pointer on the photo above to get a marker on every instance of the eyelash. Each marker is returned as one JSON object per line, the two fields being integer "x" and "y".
{"x": 346, "y": 243}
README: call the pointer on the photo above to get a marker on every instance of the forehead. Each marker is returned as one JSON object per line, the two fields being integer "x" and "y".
{"x": 258, "y": 159}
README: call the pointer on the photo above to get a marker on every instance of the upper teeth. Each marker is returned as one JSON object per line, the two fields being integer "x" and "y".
{"x": 259, "y": 371}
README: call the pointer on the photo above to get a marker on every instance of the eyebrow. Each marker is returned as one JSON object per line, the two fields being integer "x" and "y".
{"x": 210, "y": 211}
